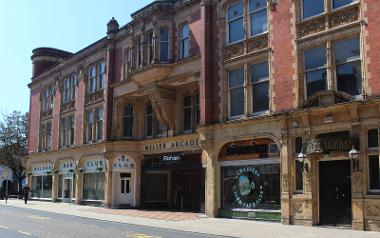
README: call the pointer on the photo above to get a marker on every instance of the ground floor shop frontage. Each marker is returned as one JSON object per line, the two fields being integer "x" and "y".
{"x": 312, "y": 167}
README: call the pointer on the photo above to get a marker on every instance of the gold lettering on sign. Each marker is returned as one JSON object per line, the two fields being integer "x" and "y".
{"x": 183, "y": 144}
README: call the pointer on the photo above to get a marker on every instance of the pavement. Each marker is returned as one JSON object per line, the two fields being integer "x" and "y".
{"x": 191, "y": 222}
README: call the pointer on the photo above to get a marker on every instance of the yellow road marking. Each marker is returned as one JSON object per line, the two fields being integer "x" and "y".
{"x": 24, "y": 233}
{"x": 4, "y": 227}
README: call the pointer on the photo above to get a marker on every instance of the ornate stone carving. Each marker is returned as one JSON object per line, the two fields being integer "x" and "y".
{"x": 357, "y": 184}
{"x": 94, "y": 97}
{"x": 285, "y": 183}
{"x": 46, "y": 114}
{"x": 326, "y": 98}
{"x": 257, "y": 43}
{"x": 344, "y": 16}
{"x": 314, "y": 25}
{"x": 373, "y": 210}
{"x": 68, "y": 106}
{"x": 297, "y": 209}
{"x": 163, "y": 102}
{"x": 308, "y": 179}
{"x": 234, "y": 50}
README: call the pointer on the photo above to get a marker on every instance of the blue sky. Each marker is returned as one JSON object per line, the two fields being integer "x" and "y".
{"x": 68, "y": 25}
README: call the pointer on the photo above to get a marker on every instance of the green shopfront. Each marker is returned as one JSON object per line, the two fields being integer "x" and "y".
{"x": 250, "y": 180}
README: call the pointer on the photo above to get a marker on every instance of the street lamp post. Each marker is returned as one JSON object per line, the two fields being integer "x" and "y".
{"x": 302, "y": 158}
{"x": 354, "y": 156}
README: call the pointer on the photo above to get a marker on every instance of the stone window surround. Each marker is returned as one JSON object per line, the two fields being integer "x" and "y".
{"x": 97, "y": 65}
{"x": 246, "y": 63}
{"x": 45, "y": 139}
{"x": 68, "y": 130}
{"x": 328, "y": 40}
{"x": 94, "y": 124}
{"x": 246, "y": 22}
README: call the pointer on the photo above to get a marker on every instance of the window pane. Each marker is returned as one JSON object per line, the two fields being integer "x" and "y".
{"x": 260, "y": 97}
{"x": 312, "y": 7}
{"x": 185, "y": 48}
{"x": 315, "y": 58}
{"x": 259, "y": 72}
{"x": 148, "y": 125}
{"x": 187, "y": 119}
{"x": 236, "y": 78}
{"x": 298, "y": 145}
{"x": 299, "y": 178}
{"x": 187, "y": 101}
{"x": 128, "y": 126}
{"x": 316, "y": 81}
{"x": 235, "y": 10}
{"x": 349, "y": 78}
{"x": 164, "y": 35}
{"x": 374, "y": 172}
{"x": 185, "y": 31}
{"x": 373, "y": 138}
{"x": 164, "y": 51}
{"x": 347, "y": 50}
{"x": 236, "y": 30}
{"x": 257, "y": 4}
{"x": 340, "y": 3}
{"x": 259, "y": 22}
{"x": 128, "y": 111}
{"x": 237, "y": 101}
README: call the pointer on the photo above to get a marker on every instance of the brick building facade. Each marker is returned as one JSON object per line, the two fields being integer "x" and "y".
{"x": 245, "y": 108}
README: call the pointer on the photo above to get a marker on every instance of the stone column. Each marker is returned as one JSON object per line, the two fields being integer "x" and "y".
{"x": 78, "y": 188}
{"x": 54, "y": 188}
{"x": 108, "y": 184}
{"x": 285, "y": 193}
{"x": 211, "y": 180}
{"x": 138, "y": 161}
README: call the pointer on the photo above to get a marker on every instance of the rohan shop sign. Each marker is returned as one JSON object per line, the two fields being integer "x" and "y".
{"x": 181, "y": 145}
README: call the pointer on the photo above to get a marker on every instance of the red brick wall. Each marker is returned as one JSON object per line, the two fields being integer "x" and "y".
{"x": 195, "y": 32}
{"x": 34, "y": 119}
{"x": 372, "y": 44}
{"x": 282, "y": 75}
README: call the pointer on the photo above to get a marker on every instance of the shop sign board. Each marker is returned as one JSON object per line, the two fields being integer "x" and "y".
{"x": 94, "y": 165}
{"x": 181, "y": 145}
{"x": 67, "y": 166}
{"x": 171, "y": 158}
{"x": 123, "y": 162}
{"x": 42, "y": 169}
{"x": 331, "y": 142}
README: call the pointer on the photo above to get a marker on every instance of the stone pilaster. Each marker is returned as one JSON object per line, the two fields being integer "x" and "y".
{"x": 78, "y": 188}
{"x": 54, "y": 189}
{"x": 108, "y": 184}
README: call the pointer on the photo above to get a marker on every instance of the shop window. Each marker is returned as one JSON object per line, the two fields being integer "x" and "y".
{"x": 258, "y": 16}
{"x": 374, "y": 172}
{"x": 260, "y": 87}
{"x": 373, "y": 138}
{"x": 341, "y": 3}
{"x": 47, "y": 97}
{"x": 164, "y": 46}
{"x": 235, "y": 22}
{"x": 150, "y": 48}
{"x": 348, "y": 66}
{"x": 187, "y": 113}
{"x": 45, "y": 136}
{"x": 299, "y": 169}
{"x": 96, "y": 77}
{"x": 128, "y": 121}
{"x": 315, "y": 70}
{"x": 312, "y": 8}
{"x": 236, "y": 92}
{"x": 67, "y": 129}
{"x": 41, "y": 186}
{"x": 185, "y": 35}
{"x": 251, "y": 187}
{"x": 93, "y": 186}
{"x": 156, "y": 187}
{"x": 68, "y": 88}
{"x": 149, "y": 121}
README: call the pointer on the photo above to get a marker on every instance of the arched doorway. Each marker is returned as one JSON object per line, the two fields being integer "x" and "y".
{"x": 124, "y": 182}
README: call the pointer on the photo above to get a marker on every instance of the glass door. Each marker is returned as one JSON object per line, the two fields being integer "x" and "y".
{"x": 67, "y": 190}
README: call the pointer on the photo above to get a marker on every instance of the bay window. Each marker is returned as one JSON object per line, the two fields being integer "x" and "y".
{"x": 164, "y": 46}
{"x": 235, "y": 22}
{"x": 258, "y": 16}
{"x": 185, "y": 35}
{"x": 139, "y": 53}
{"x": 149, "y": 121}
{"x": 128, "y": 121}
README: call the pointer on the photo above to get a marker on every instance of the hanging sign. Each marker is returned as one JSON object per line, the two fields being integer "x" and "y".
{"x": 42, "y": 169}
{"x": 67, "y": 166}
{"x": 95, "y": 165}
{"x": 123, "y": 163}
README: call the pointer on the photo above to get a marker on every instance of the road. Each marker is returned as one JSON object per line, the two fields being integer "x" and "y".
{"x": 29, "y": 223}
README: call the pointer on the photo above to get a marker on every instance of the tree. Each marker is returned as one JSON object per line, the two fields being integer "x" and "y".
{"x": 14, "y": 143}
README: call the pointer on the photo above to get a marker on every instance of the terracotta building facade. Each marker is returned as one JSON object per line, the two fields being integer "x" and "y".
{"x": 248, "y": 109}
